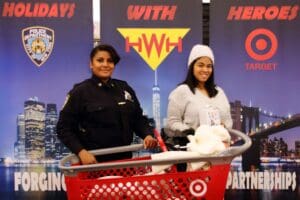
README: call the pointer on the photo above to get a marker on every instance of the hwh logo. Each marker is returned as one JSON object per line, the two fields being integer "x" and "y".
{"x": 153, "y": 44}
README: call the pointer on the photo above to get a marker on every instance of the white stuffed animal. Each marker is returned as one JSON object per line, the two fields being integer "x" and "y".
{"x": 207, "y": 141}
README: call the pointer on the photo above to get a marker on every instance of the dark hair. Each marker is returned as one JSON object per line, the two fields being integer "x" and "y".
{"x": 192, "y": 82}
{"x": 106, "y": 47}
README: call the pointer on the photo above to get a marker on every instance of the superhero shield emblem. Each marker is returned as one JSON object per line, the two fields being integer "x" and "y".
{"x": 38, "y": 43}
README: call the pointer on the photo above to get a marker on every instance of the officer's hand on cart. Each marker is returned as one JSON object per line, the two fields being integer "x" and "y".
{"x": 86, "y": 157}
{"x": 150, "y": 142}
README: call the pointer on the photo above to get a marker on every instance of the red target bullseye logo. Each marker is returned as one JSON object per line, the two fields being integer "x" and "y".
{"x": 198, "y": 188}
{"x": 261, "y": 44}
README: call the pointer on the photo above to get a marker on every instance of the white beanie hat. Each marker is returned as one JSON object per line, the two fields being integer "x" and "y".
{"x": 200, "y": 50}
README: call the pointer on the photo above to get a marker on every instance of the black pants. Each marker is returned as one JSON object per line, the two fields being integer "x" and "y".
{"x": 181, "y": 141}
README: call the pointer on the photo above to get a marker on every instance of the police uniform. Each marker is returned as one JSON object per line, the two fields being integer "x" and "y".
{"x": 100, "y": 115}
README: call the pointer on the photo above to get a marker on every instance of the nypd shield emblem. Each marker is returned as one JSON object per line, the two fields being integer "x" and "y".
{"x": 38, "y": 43}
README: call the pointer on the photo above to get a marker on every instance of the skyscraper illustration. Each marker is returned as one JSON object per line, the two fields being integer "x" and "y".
{"x": 156, "y": 102}
{"x": 36, "y": 133}
{"x": 34, "y": 117}
{"x": 19, "y": 148}
{"x": 50, "y": 131}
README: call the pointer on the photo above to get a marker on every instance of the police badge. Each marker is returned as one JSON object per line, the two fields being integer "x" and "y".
{"x": 127, "y": 96}
{"x": 38, "y": 43}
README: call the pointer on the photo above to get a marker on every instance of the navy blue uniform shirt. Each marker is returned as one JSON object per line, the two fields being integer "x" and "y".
{"x": 98, "y": 115}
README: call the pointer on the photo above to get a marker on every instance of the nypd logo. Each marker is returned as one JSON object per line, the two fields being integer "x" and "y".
{"x": 38, "y": 43}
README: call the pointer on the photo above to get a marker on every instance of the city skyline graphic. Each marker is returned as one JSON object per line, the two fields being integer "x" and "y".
{"x": 152, "y": 89}
{"x": 37, "y": 140}
{"x": 36, "y": 133}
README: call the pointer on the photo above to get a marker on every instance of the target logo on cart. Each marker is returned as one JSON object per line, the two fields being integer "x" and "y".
{"x": 198, "y": 188}
{"x": 261, "y": 44}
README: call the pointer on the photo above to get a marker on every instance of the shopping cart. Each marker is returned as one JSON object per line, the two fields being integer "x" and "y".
{"x": 132, "y": 179}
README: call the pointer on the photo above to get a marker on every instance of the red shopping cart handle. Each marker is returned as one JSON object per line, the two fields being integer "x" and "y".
{"x": 160, "y": 141}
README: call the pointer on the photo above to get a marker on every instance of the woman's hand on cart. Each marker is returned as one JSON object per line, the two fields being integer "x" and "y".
{"x": 150, "y": 142}
{"x": 86, "y": 158}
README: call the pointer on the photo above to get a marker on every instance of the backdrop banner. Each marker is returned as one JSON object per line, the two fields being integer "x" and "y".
{"x": 256, "y": 45}
{"x": 44, "y": 50}
{"x": 154, "y": 39}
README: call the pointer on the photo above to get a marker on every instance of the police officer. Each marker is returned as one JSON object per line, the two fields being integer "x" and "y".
{"x": 102, "y": 112}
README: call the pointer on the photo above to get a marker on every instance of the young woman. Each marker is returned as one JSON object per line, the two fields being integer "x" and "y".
{"x": 197, "y": 100}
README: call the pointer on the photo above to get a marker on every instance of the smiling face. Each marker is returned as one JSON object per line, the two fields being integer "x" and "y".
{"x": 102, "y": 65}
{"x": 203, "y": 69}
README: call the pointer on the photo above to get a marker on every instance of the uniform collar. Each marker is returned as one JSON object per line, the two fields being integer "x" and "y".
{"x": 98, "y": 81}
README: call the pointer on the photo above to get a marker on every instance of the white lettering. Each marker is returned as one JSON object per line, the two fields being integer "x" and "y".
{"x": 242, "y": 180}
{"x": 26, "y": 181}
{"x": 50, "y": 188}
{"x": 17, "y": 180}
{"x": 34, "y": 181}
{"x": 248, "y": 179}
{"x": 294, "y": 182}
{"x": 260, "y": 182}
{"x": 266, "y": 180}
{"x": 63, "y": 183}
{"x": 42, "y": 181}
{"x": 229, "y": 180}
{"x": 56, "y": 182}
{"x": 235, "y": 183}
{"x": 272, "y": 184}
{"x": 254, "y": 180}
{"x": 277, "y": 181}
{"x": 288, "y": 180}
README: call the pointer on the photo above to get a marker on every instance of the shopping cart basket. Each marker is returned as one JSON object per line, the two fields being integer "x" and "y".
{"x": 133, "y": 179}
